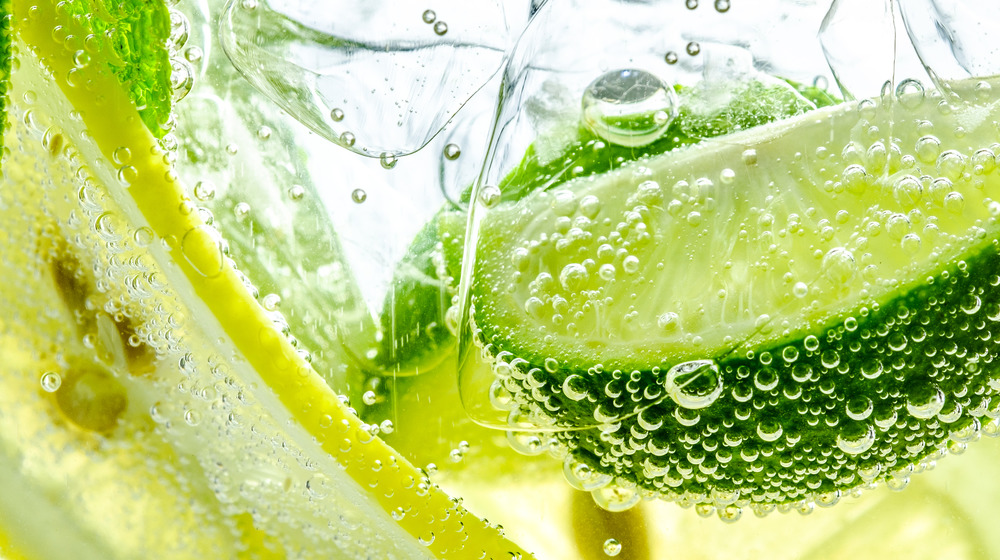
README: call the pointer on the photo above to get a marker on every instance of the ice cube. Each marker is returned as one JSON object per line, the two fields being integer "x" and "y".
{"x": 858, "y": 39}
{"x": 955, "y": 39}
{"x": 377, "y": 77}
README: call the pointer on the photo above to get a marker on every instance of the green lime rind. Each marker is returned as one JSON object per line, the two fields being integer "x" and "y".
{"x": 755, "y": 104}
{"x": 5, "y": 58}
{"x": 131, "y": 36}
{"x": 880, "y": 364}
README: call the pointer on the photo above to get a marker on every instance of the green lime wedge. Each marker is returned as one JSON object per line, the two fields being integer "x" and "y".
{"x": 771, "y": 317}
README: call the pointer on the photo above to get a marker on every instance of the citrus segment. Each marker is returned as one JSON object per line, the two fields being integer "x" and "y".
{"x": 254, "y": 428}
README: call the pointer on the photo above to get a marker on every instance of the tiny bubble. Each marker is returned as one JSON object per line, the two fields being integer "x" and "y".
{"x": 452, "y": 151}
{"x": 387, "y": 160}
{"x": 51, "y": 381}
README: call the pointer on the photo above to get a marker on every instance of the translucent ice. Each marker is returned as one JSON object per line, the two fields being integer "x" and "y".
{"x": 377, "y": 77}
{"x": 954, "y": 39}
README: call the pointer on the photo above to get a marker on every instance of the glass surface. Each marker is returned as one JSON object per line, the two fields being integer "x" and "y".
{"x": 625, "y": 278}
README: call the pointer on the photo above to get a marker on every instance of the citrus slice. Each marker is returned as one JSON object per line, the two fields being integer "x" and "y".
{"x": 773, "y": 316}
{"x": 149, "y": 401}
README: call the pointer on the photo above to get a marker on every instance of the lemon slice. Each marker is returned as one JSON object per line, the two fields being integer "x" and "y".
{"x": 149, "y": 402}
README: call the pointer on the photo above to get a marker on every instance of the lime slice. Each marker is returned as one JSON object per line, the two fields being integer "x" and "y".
{"x": 149, "y": 401}
{"x": 770, "y": 317}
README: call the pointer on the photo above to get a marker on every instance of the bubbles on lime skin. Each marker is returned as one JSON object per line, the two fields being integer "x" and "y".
{"x": 707, "y": 433}
{"x": 629, "y": 107}
{"x": 695, "y": 384}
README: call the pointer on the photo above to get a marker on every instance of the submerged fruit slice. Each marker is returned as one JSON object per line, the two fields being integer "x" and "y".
{"x": 767, "y": 317}
{"x": 148, "y": 400}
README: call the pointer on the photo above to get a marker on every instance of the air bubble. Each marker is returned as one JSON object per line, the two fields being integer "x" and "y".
{"x": 859, "y": 408}
{"x": 910, "y": 93}
{"x": 615, "y": 498}
{"x": 204, "y": 190}
{"x": 490, "y": 196}
{"x": 337, "y": 115}
{"x": 271, "y": 302}
{"x": 631, "y": 264}
{"x": 800, "y": 290}
{"x": 440, "y": 27}
{"x": 928, "y": 148}
{"x": 582, "y": 477}
{"x": 612, "y": 547}
{"x": 910, "y": 244}
{"x": 839, "y": 265}
{"x": 429, "y": 16}
{"x": 951, "y": 165}
{"x": 908, "y": 191}
{"x": 525, "y": 443}
{"x": 606, "y": 272}
{"x": 590, "y": 205}
{"x": 193, "y": 54}
{"x": 573, "y": 276}
{"x": 694, "y": 384}
{"x": 954, "y": 202}
{"x": 769, "y": 430}
{"x": 50, "y": 381}
{"x": 722, "y": 6}
{"x": 667, "y": 321}
{"x": 629, "y": 107}
{"x": 359, "y": 196}
{"x": 387, "y": 160}
{"x": 452, "y": 151}
{"x": 926, "y": 402}
{"x": 181, "y": 78}
{"x": 855, "y": 441}
{"x": 143, "y": 236}
{"x": 670, "y": 57}
{"x": 693, "y": 48}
